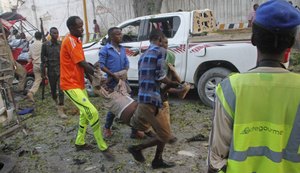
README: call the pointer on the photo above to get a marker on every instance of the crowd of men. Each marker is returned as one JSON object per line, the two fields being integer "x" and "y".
{"x": 256, "y": 114}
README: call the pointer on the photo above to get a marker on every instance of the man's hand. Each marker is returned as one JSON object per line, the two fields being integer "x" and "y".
{"x": 43, "y": 72}
{"x": 110, "y": 74}
{"x": 116, "y": 77}
{"x": 122, "y": 74}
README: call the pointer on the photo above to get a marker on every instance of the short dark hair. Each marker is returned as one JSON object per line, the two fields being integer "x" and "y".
{"x": 271, "y": 42}
{"x": 110, "y": 30}
{"x": 38, "y": 35}
{"x": 156, "y": 34}
{"x": 53, "y": 28}
{"x": 72, "y": 21}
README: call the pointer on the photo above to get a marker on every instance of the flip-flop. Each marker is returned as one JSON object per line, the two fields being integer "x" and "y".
{"x": 26, "y": 111}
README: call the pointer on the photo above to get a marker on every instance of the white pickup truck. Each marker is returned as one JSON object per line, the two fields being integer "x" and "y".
{"x": 204, "y": 55}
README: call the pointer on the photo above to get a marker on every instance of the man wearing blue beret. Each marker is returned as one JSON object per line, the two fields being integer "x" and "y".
{"x": 256, "y": 126}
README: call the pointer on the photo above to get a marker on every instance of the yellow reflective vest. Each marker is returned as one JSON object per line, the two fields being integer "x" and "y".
{"x": 265, "y": 110}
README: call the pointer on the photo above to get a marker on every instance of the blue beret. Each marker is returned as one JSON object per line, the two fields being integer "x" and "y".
{"x": 276, "y": 15}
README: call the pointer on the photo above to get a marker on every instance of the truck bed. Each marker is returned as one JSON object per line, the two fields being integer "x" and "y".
{"x": 223, "y": 35}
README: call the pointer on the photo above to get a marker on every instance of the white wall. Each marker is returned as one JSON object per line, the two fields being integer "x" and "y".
{"x": 111, "y": 12}
{"x": 5, "y": 6}
{"x": 56, "y": 12}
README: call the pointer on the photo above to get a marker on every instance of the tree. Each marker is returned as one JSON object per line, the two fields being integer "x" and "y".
{"x": 146, "y": 7}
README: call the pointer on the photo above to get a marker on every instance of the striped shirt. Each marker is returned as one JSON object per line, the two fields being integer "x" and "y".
{"x": 151, "y": 70}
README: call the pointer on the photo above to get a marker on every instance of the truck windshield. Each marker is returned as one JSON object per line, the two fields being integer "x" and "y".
{"x": 168, "y": 25}
{"x": 131, "y": 31}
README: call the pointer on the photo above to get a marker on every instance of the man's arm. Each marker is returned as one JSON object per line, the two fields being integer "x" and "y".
{"x": 108, "y": 72}
{"x": 30, "y": 59}
{"x": 43, "y": 54}
{"x": 88, "y": 69}
{"x": 126, "y": 61}
{"x": 220, "y": 139}
{"x": 161, "y": 72}
{"x": 43, "y": 59}
{"x": 167, "y": 81}
{"x": 250, "y": 18}
{"x": 103, "y": 55}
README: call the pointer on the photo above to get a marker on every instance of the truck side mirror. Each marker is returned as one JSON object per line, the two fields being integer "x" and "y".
{"x": 104, "y": 41}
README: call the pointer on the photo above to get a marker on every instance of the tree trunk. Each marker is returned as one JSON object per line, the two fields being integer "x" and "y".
{"x": 146, "y": 7}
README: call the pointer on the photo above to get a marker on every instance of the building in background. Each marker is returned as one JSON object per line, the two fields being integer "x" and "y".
{"x": 112, "y": 12}
{"x": 5, "y": 6}
{"x": 8, "y": 5}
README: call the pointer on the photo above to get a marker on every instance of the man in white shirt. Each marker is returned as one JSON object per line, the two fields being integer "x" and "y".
{"x": 35, "y": 57}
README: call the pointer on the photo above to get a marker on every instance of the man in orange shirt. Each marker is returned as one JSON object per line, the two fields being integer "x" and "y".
{"x": 72, "y": 69}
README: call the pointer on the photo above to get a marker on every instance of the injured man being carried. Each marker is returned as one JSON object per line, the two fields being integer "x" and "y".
{"x": 119, "y": 101}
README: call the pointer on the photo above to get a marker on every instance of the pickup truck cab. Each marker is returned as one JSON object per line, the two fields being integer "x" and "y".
{"x": 204, "y": 55}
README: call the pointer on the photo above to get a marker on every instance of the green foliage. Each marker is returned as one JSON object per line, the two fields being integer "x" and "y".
{"x": 295, "y": 61}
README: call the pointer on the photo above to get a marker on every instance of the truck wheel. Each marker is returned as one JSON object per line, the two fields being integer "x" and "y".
{"x": 7, "y": 164}
{"x": 208, "y": 83}
{"x": 29, "y": 82}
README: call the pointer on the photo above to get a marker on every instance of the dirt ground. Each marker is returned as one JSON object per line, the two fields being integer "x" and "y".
{"x": 49, "y": 146}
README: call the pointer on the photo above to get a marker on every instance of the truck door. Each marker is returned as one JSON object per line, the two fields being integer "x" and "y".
{"x": 173, "y": 29}
{"x": 132, "y": 42}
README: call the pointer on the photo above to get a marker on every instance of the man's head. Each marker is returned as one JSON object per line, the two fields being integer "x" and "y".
{"x": 94, "y": 21}
{"x": 115, "y": 34}
{"x": 54, "y": 33}
{"x": 75, "y": 26}
{"x": 164, "y": 42}
{"x": 274, "y": 28}
{"x": 156, "y": 37}
{"x": 38, "y": 35}
{"x": 255, "y": 7}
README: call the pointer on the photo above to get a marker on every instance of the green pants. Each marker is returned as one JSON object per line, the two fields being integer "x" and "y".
{"x": 88, "y": 115}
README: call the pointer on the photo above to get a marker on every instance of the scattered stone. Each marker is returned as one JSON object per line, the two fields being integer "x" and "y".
{"x": 22, "y": 153}
{"x": 198, "y": 137}
{"x": 79, "y": 161}
{"x": 90, "y": 168}
{"x": 102, "y": 168}
{"x": 186, "y": 153}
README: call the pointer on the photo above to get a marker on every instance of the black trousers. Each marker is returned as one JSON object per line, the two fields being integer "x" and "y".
{"x": 54, "y": 86}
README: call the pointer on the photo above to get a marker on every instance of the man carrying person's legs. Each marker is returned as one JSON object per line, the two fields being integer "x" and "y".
{"x": 114, "y": 62}
{"x": 151, "y": 75}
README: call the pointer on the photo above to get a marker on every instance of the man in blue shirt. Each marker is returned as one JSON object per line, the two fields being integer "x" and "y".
{"x": 152, "y": 73}
{"x": 113, "y": 59}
